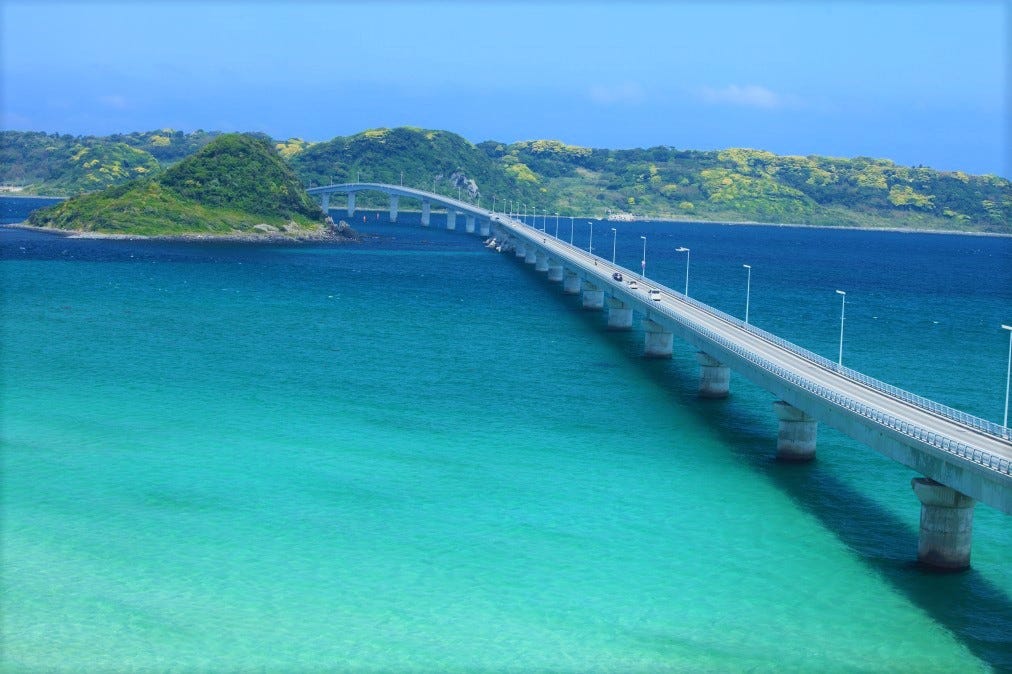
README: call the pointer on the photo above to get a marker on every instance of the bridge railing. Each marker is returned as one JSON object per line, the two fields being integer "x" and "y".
{"x": 932, "y": 406}
{"x": 951, "y": 413}
{"x": 943, "y": 443}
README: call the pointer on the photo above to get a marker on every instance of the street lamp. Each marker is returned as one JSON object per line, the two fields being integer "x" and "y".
{"x": 843, "y": 310}
{"x": 590, "y": 244}
{"x": 535, "y": 216}
{"x": 614, "y": 238}
{"x": 685, "y": 250}
{"x": 571, "y": 230}
{"x": 1008, "y": 374}
{"x": 643, "y": 262}
{"x": 556, "y": 225}
{"x": 433, "y": 184}
{"x": 748, "y": 289}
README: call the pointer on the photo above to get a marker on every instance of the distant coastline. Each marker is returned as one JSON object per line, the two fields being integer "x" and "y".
{"x": 246, "y": 237}
{"x": 332, "y": 237}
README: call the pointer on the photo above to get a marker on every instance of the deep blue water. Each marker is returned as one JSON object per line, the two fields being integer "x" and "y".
{"x": 414, "y": 454}
{"x": 16, "y": 209}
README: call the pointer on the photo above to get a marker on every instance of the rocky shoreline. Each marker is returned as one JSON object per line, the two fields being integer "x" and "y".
{"x": 339, "y": 233}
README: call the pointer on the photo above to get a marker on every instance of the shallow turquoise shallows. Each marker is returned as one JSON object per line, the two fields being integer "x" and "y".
{"x": 416, "y": 455}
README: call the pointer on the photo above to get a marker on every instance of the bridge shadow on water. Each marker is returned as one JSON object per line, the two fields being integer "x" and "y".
{"x": 975, "y": 610}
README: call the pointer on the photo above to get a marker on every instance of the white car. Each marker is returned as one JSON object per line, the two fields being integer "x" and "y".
{"x": 655, "y": 295}
{"x": 633, "y": 285}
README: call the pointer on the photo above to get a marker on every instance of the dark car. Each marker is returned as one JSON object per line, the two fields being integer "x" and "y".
{"x": 617, "y": 276}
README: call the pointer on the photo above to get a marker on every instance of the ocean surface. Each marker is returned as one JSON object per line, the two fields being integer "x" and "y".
{"x": 414, "y": 454}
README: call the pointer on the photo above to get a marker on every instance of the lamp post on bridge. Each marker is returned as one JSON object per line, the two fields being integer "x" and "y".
{"x": 614, "y": 239}
{"x": 643, "y": 261}
{"x": 525, "y": 214}
{"x": 571, "y": 230}
{"x": 1008, "y": 376}
{"x": 590, "y": 243}
{"x": 535, "y": 216}
{"x": 685, "y": 250}
{"x": 748, "y": 289}
{"x": 843, "y": 311}
{"x": 556, "y": 225}
{"x": 493, "y": 203}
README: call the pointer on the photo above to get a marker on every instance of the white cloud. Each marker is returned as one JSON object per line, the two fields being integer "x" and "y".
{"x": 114, "y": 101}
{"x": 750, "y": 95}
{"x": 627, "y": 92}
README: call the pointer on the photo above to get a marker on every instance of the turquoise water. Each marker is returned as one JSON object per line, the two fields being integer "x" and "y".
{"x": 414, "y": 454}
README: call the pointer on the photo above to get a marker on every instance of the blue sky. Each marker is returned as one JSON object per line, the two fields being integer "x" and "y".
{"x": 915, "y": 82}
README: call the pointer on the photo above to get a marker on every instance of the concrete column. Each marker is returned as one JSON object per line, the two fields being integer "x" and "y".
{"x": 657, "y": 342}
{"x": 592, "y": 297}
{"x": 426, "y": 214}
{"x": 946, "y": 525}
{"x": 532, "y": 255}
{"x": 797, "y": 433}
{"x": 351, "y": 204}
{"x": 714, "y": 376}
{"x": 484, "y": 228}
{"x": 469, "y": 224}
{"x": 393, "y": 208}
{"x": 325, "y": 202}
{"x": 619, "y": 315}
{"x": 521, "y": 249}
{"x": 571, "y": 283}
{"x": 451, "y": 219}
{"x": 541, "y": 263}
{"x": 555, "y": 272}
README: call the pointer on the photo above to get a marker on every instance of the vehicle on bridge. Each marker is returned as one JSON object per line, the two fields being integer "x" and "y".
{"x": 617, "y": 276}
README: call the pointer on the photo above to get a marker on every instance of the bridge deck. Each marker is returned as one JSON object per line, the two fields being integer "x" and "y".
{"x": 947, "y": 441}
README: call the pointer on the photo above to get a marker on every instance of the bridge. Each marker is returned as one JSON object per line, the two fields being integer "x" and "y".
{"x": 964, "y": 459}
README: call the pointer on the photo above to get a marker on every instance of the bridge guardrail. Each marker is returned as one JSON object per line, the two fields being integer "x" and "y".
{"x": 945, "y": 444}
{"x": 951, "y": 413}
{"x": 964, "y": 418}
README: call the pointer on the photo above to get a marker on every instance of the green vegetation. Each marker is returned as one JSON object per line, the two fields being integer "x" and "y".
{"x": 236, "y": 184}
{"x": 63, "y": 165}
{"x": 661, "y": 182}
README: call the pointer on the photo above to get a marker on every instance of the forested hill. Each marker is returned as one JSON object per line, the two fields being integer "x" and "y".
{"x": 234, "y": 185}
{"x": 660, "y": 182}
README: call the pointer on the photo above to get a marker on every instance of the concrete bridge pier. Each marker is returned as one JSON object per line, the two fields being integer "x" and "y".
{"x": 555, "y": 271}
{"x": 426, "y": 212}
{"x": 451, "y": 219}
{"x": 469, "y": 224}
{"x": 520, "y": 248}
{"x": 484, "y": 229}
{"x": 351, "y": 204}
{"x": 620, "y": 316}
{"x": 532, "y": 255}
{"x": 657, "y": 342}
{"x": 797, "y": 433}
{"x": 593, "y": 299}
{"x": 946, "y": 525}
{"x": 714, "y": 376}
{"x": 393, "y": 208}
{"x": 325, "y": 202}
{"x": 541, "y": 262}
{"x": 571, "y": 283}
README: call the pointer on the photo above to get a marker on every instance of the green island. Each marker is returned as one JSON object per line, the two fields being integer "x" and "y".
{"x": 145, "y": 176}
{"x": 235, "y": 185}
